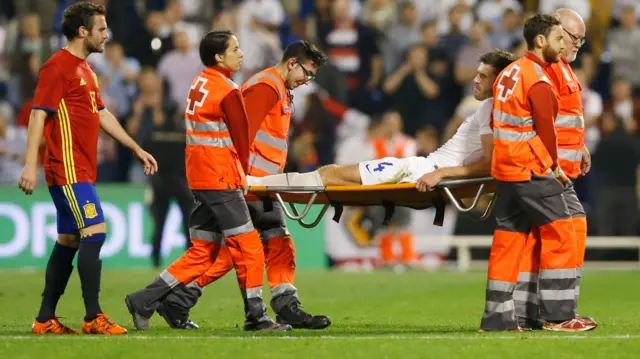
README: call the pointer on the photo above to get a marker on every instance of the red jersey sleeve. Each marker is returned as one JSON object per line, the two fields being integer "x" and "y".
{"x": 238, "y": 125}
{"x": 259, "y": 100}
{"x": 544, "y": 108}
{"x": 50, "y": 89}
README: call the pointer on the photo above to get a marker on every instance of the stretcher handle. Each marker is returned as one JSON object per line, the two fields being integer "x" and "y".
{"x": 464, "y": 181}
{"x": 487, "y": 211}
{"x": 315, "y": 222}
{"x": 459, "y": 205}
{"x": 305, "y": 211}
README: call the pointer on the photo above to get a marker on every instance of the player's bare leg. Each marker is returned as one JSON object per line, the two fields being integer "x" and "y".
{"x": 90, "y": 271}
{"x": 335, "y": 175}
{"x": 59, "y": 269}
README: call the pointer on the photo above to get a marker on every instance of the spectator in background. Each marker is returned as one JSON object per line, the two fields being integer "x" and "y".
{"x": 624, "y": 45}
{"x": 455, "y": 16}
{"x": 402, "y": 35}
{"x": 119, "y": 75}
{"x": 415, "y": 90}
{"x": 319, "y": 19}
{"x": 379, "y": 14}
{"x": 467, "y": 59}
{"x": 257, "y": 25}
{"x": 178, "y": 66}
{"x": 623, "y": 104}
{"x": 615, "y": 163}
{"x": 31, "y": 51}
{"x": 454, "y": 37}
{"x": 161, "y": 128}
{"x": 582, "y": 7}
{"x": 592, "y": 106}
{"x": 493, "y": 12}
{"x": 13, "y": 142}
{"x": 353, "y": 48}
{"x": 509, "y": 31}
{"x": 149, "y": 46}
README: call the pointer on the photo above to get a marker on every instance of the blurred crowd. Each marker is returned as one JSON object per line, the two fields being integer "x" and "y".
{"x": 417, "y": 57}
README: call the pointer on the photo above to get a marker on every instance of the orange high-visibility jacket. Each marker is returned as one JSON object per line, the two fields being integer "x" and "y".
{"x": 269, "y": 148}
{"x": 212, "y": 162}
{"x": 380, "y": 146}
{"x": 518, "y": 150}
{"x": 570, "y": 122}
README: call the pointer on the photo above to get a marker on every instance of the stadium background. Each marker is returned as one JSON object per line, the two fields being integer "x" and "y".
{"x": 152, "y": 56}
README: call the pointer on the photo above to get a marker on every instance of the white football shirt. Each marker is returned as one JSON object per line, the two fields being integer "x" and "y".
{"x": 466, "y": 145}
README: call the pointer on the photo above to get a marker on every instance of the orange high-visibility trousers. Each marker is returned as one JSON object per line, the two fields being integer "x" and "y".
{"x": 522, "y": 205}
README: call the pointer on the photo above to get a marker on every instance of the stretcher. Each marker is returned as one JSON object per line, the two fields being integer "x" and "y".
{"x": 388, "y": 196}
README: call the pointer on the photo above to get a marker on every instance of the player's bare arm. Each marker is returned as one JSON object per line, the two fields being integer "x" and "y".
{"x": 475, "y": 169}
{"x": 29, "y": 176}
{"x": 112, "y": 127}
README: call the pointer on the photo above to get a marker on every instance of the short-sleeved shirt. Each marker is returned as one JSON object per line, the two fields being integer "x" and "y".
{"x": 68, "y": 91}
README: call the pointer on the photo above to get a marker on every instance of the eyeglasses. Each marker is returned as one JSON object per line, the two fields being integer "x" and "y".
{"x": 310, "y": 76}
{"x": 575, "y": 39}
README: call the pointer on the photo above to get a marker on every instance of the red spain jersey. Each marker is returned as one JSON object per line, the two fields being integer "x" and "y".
{"x": 68, "y": 91}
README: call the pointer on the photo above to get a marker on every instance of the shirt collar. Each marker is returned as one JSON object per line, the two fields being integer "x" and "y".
{"x": 531, "y": 56}
{"x": 220, "y": 70}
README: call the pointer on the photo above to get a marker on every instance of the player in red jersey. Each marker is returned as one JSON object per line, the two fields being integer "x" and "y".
{"x": 68, "y": 107}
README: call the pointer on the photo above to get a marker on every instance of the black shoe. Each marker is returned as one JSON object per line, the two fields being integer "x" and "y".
{"x": 140, "y": 321}
{"x": 292, "y": 314}
{"x": 176, "y": 320}
{"x": 266, "y": 325}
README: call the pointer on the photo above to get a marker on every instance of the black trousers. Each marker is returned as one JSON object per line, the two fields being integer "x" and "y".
{"x": 167, "y": 187}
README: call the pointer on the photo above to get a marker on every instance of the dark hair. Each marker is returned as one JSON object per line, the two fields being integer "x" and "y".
{"x": 212, "y": 44}
{"x": 539, "y": 24}
{"x": 303, "y": 51}
{"x": 77, "y": 15}
{"x": 498, "y": 59}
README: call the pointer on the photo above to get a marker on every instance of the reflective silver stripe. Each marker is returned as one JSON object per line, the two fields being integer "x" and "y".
{"x": 570, "y": 121}
{"x": 254, "y": 80}
{"x": 522, "y": 296}
{"x": 209, "y": 126}
{"x": 219, "y": 142}
{"x": 254, "y": 292}
{"x": 527, "y": 277}
{"x": 511, "y": 119}
{"x": 273, "y": 233}
{"x": 204, "y": 235}
{"x": 229, "y": 81}
{"x": 264, "y": 165}
{"x": 513, "y": 136}
{"x": 567, "y": 273}
{"x": 497, "y": 307}
{"x": 245, "y": 228}
{"x": 500, "y": 286}
{"x": 271, "y": 141}
{"x": 284, "y": 288}
{"x": 540, "y": 73}
{"x": 168, "y": 278}
{"x": 570, "y": 155}
{"x": 566, "y": 294}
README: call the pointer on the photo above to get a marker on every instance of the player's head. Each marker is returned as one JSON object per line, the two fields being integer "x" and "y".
{"x": 221, "y": 48}
{"x": 544, "y": 36}
{"x": 574, "y": 32}
{"x": 86, "y": 22}
{"x": 302, "y": 61}
{"x": 491, "y": 64}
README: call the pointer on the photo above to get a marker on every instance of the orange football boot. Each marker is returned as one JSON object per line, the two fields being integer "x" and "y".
{"x": 102, "y": 325}
{"x": 51, "y": 326}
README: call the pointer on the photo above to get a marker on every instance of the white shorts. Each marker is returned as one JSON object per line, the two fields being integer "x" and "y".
{"x": 395, "y": 170}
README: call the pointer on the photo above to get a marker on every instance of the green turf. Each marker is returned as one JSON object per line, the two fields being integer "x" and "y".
{"x": 375, "y": 315}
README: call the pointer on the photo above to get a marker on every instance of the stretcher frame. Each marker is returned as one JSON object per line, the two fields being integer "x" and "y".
{"x": 447, "y": 192}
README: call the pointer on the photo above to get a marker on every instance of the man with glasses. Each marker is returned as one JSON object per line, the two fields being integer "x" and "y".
{"x": 268, "y": 103}
{"x": 573, "y": 158}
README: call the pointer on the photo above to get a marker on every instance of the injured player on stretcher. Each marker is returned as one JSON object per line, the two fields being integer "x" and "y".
{"x": 466, "y": 154}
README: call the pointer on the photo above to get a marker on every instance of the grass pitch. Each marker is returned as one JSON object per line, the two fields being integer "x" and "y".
{"x": 375, "y": 315}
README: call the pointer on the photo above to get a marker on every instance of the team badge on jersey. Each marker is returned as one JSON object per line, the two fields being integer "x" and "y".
{"x": 90, "y": 211}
